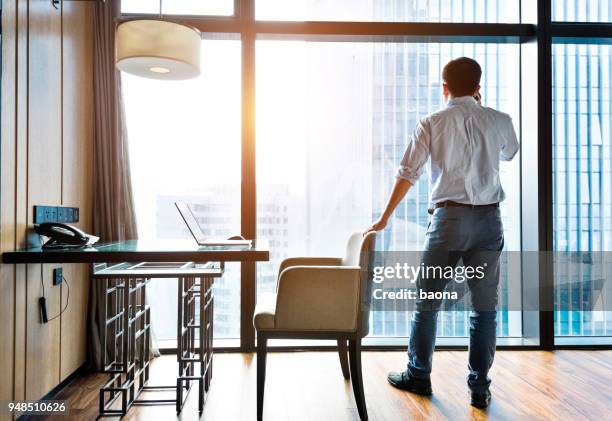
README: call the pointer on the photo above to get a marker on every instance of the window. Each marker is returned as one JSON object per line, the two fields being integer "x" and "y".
{"x": 333, "y": 121}
{"x": 491, "y": 11}
{"x": 179, "y": 7}
{"x": 354, "y": 98}
{"x": 184, "y": 141}
{"x": 582, "y": 10}
{"x": 582, "y": 187}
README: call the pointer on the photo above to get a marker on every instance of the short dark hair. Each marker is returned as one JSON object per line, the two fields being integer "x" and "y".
{"x": 462, "y": 75}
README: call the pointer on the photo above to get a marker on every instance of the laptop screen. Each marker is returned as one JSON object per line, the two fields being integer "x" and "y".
{"x": 191, "y": 221}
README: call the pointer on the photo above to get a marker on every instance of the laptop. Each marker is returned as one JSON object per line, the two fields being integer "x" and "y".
{"x": 196, "y": 230}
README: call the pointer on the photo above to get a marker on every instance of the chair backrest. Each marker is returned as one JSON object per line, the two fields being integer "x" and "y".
{"x": 360, "y": 252}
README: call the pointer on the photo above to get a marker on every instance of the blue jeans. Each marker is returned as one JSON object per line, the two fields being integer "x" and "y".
{"x": 476, "y": 237}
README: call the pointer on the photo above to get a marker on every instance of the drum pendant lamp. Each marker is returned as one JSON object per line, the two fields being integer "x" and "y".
{"x": 158, "y": 49}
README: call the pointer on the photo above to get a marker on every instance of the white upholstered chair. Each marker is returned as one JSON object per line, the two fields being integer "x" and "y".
{"x": 320, "y": 298}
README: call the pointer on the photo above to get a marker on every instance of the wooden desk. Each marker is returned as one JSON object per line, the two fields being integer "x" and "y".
{"x": 125, "y": 268}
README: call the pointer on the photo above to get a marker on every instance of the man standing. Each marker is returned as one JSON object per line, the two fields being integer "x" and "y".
{"x": 463, "y": 144}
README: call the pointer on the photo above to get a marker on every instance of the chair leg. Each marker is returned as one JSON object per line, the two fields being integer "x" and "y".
{"x": 356, "y": 378}
{"x": 261, "y": 373}
{"x": 343, "y": 354}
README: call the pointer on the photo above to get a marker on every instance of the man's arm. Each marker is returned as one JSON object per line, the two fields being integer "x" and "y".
{"x": 411, "y": 168}
{"x": 400, "y": 189}
{"x": 511, "y": 144}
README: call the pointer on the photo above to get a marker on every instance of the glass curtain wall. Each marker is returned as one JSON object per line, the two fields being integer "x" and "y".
{"x": 582, "y": 173}
{"x": 583, "y": 188}
{"x": 332, "y": 122}
{"x": 184, "y": 139}
{"x": 328, "y": 157}
{"x": 460, "y": 11}
{"x": 582, "y": 10}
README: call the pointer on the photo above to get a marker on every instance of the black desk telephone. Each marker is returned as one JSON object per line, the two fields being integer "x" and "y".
{"x": 63, "y": 235}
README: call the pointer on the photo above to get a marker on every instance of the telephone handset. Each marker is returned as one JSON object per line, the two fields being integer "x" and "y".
{"x": 64, "y": 235}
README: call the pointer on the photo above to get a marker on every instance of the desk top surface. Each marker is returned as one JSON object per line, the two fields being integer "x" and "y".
{"x": 145, "y": 251}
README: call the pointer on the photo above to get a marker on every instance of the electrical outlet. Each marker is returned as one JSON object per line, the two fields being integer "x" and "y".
{"x": 58, "y": 275}
{"x": 45, "y": 214}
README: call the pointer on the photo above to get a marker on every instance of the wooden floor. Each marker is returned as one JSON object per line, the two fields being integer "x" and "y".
{"x": 564, "y": 385}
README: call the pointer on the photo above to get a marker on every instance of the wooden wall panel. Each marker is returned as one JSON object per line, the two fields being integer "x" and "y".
{"x": 21, "y": 188}
{"x": 78, "y": 133}
{"x": 45, "y": 158}
{"x": 7, "y": 200}
{"x": 44, "y": 187}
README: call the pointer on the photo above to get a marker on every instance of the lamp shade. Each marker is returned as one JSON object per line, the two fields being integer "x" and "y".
{"x": 158, "y": 49}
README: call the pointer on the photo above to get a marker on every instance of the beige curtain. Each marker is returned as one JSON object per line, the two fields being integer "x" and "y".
{"x": 113, "y": 205}
{"x": 114, "y": 217}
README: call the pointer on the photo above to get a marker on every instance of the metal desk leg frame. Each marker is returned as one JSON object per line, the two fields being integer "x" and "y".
{"x": 194, "y": 293}
{"x": 126, "y": 342}
{"x": 127, "y": 333}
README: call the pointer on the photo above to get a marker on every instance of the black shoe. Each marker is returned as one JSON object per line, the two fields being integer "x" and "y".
{"x": 404, "y": 381}
{"x": 481, "y": 400}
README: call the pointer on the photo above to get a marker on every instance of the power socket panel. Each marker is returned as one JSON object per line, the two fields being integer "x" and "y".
{"x": 55, "y": 214}
{"x": 58, "y": 276}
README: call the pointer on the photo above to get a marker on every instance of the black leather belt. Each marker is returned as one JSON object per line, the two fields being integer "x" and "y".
{"x": 451, "y": 204}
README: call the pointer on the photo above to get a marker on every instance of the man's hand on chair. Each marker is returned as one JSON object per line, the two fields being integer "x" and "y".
{"x": 379, "y": 225}
{"x": 400, "y": 188}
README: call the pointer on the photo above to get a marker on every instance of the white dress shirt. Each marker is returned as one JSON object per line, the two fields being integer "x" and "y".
{"x": 463, "y": 143}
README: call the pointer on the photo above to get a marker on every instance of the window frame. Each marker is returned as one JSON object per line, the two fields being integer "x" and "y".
{"x": 535, "y": 33}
